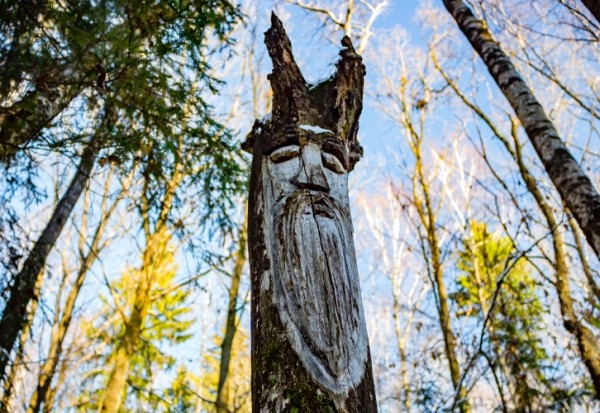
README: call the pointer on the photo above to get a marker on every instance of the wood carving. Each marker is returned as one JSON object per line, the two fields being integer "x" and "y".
{"x": 310, "y": 348}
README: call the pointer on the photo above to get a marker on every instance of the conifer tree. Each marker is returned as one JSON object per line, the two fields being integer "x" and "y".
{"x": 503, "y": 296}
{"x": 152, "y": 312}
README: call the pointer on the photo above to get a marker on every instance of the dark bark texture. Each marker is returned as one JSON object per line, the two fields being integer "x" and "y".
{"x": 23, "y": 291}
{"x": 22, "y": 122}
{"x": 594, "y": 8}
{"x": 574, "y": 186}
{"x": 310, "y": 349}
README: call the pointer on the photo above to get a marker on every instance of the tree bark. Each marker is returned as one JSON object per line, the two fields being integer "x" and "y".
{"x": 574, "y": 186}
{"x": 11, "y": 379}
{"x": 310, "y": 349}
{"x": 23, "y": 291}
{"x": 61, "y": 326}
{"x": 594, "y": 7}
{"x": 586, "y": 342}
{"x": 24, "y": 120}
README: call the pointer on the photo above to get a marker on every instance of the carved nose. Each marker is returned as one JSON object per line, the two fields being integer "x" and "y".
{"x": 311, "y": 174}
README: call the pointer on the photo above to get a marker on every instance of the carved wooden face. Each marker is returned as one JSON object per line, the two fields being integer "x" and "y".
{"x": 315, "y": 277}
{"x": 317, "y": 163}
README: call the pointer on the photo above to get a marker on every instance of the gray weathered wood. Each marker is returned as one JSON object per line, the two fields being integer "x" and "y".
{"x": 310, "y": 350}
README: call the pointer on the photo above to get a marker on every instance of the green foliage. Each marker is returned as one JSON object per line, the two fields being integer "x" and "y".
{"x": 181, "y": 396}
{"x": 166, "y": 325}
{"x": 238, "y": 380}
{"x": 144, "y": 64}
{"x": 514, "y": 326}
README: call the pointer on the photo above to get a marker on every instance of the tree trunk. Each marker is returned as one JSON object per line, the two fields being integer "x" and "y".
{"x": 586, "y": 342}
{"x": 156, "y": 244}
{"x": 60, "y": 328}
{"x": 19, "y": 362}
{"x": 22, "y": 292}
{"x": 127, "y": 347}
{"x": 231, "y": 323}
{"x": 425, "y": 210}
{"x": 594, "y": 7}
{"x": 24, "y": 120}
{"x": 572, "y": 183}
{"x": 310, "y": 348}
{"x": 432, "y": 255}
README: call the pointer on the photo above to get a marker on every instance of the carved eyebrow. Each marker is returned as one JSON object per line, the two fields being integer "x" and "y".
{"x": 285, "y": 153}
{"x": 336, "y": 150}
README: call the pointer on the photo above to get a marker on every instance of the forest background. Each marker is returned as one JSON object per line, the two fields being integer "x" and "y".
{"x": 122, "y": 233}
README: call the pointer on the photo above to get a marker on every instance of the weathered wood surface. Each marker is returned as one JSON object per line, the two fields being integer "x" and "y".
{"x": 310, "y": 350}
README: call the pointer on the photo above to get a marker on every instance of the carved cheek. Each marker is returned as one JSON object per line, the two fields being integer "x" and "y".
{"x": 281, "y": 176}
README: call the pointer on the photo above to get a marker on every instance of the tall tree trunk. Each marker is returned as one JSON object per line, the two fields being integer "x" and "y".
{"x": 231, "y": 323}
{"x": 156, "y": 243}
{"x": 128, "y": 344}
{"x": 11, "y": 379}
{"x": 60, "y": 328}
{"x": 572, "y": 183}
{"x": 594, "y": 7}
{"x": 432, "y": 255}
{"x": 24, "y": 120}
{"x": 586, "y": 342}
{"x": 425, "y": 210}
{"x": 22, "y": 292}
{"x": 310, "y": 349}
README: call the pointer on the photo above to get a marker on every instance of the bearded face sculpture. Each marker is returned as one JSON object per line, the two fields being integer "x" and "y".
{"x": 315, "y": 278}
{"x": 310, "y": 348}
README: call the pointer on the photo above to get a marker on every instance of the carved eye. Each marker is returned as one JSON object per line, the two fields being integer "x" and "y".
{"x": 284, "y": 154}
{"x": 332, "y": 163}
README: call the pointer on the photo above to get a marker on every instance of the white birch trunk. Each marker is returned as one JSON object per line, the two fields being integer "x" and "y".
{"x": 572, "y": 183}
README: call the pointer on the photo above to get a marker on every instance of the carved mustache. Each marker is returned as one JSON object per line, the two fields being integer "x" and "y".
{"x": 320, "y": 203}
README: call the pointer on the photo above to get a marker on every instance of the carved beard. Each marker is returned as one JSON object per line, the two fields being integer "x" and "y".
{"x": 317, "y": 288}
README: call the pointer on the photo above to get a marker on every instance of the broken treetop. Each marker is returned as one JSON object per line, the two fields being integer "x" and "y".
{"x": 332, "y": 107}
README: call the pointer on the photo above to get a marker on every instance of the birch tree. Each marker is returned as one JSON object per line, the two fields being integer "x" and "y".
{"x": 64, "y": 312}
{"x": 588, "y": 348}
{"x": 405, "y": 95}
{"x": 594, "y": 8}
{"x": 572, "y": 183}
{"x": 22, "y": 292}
